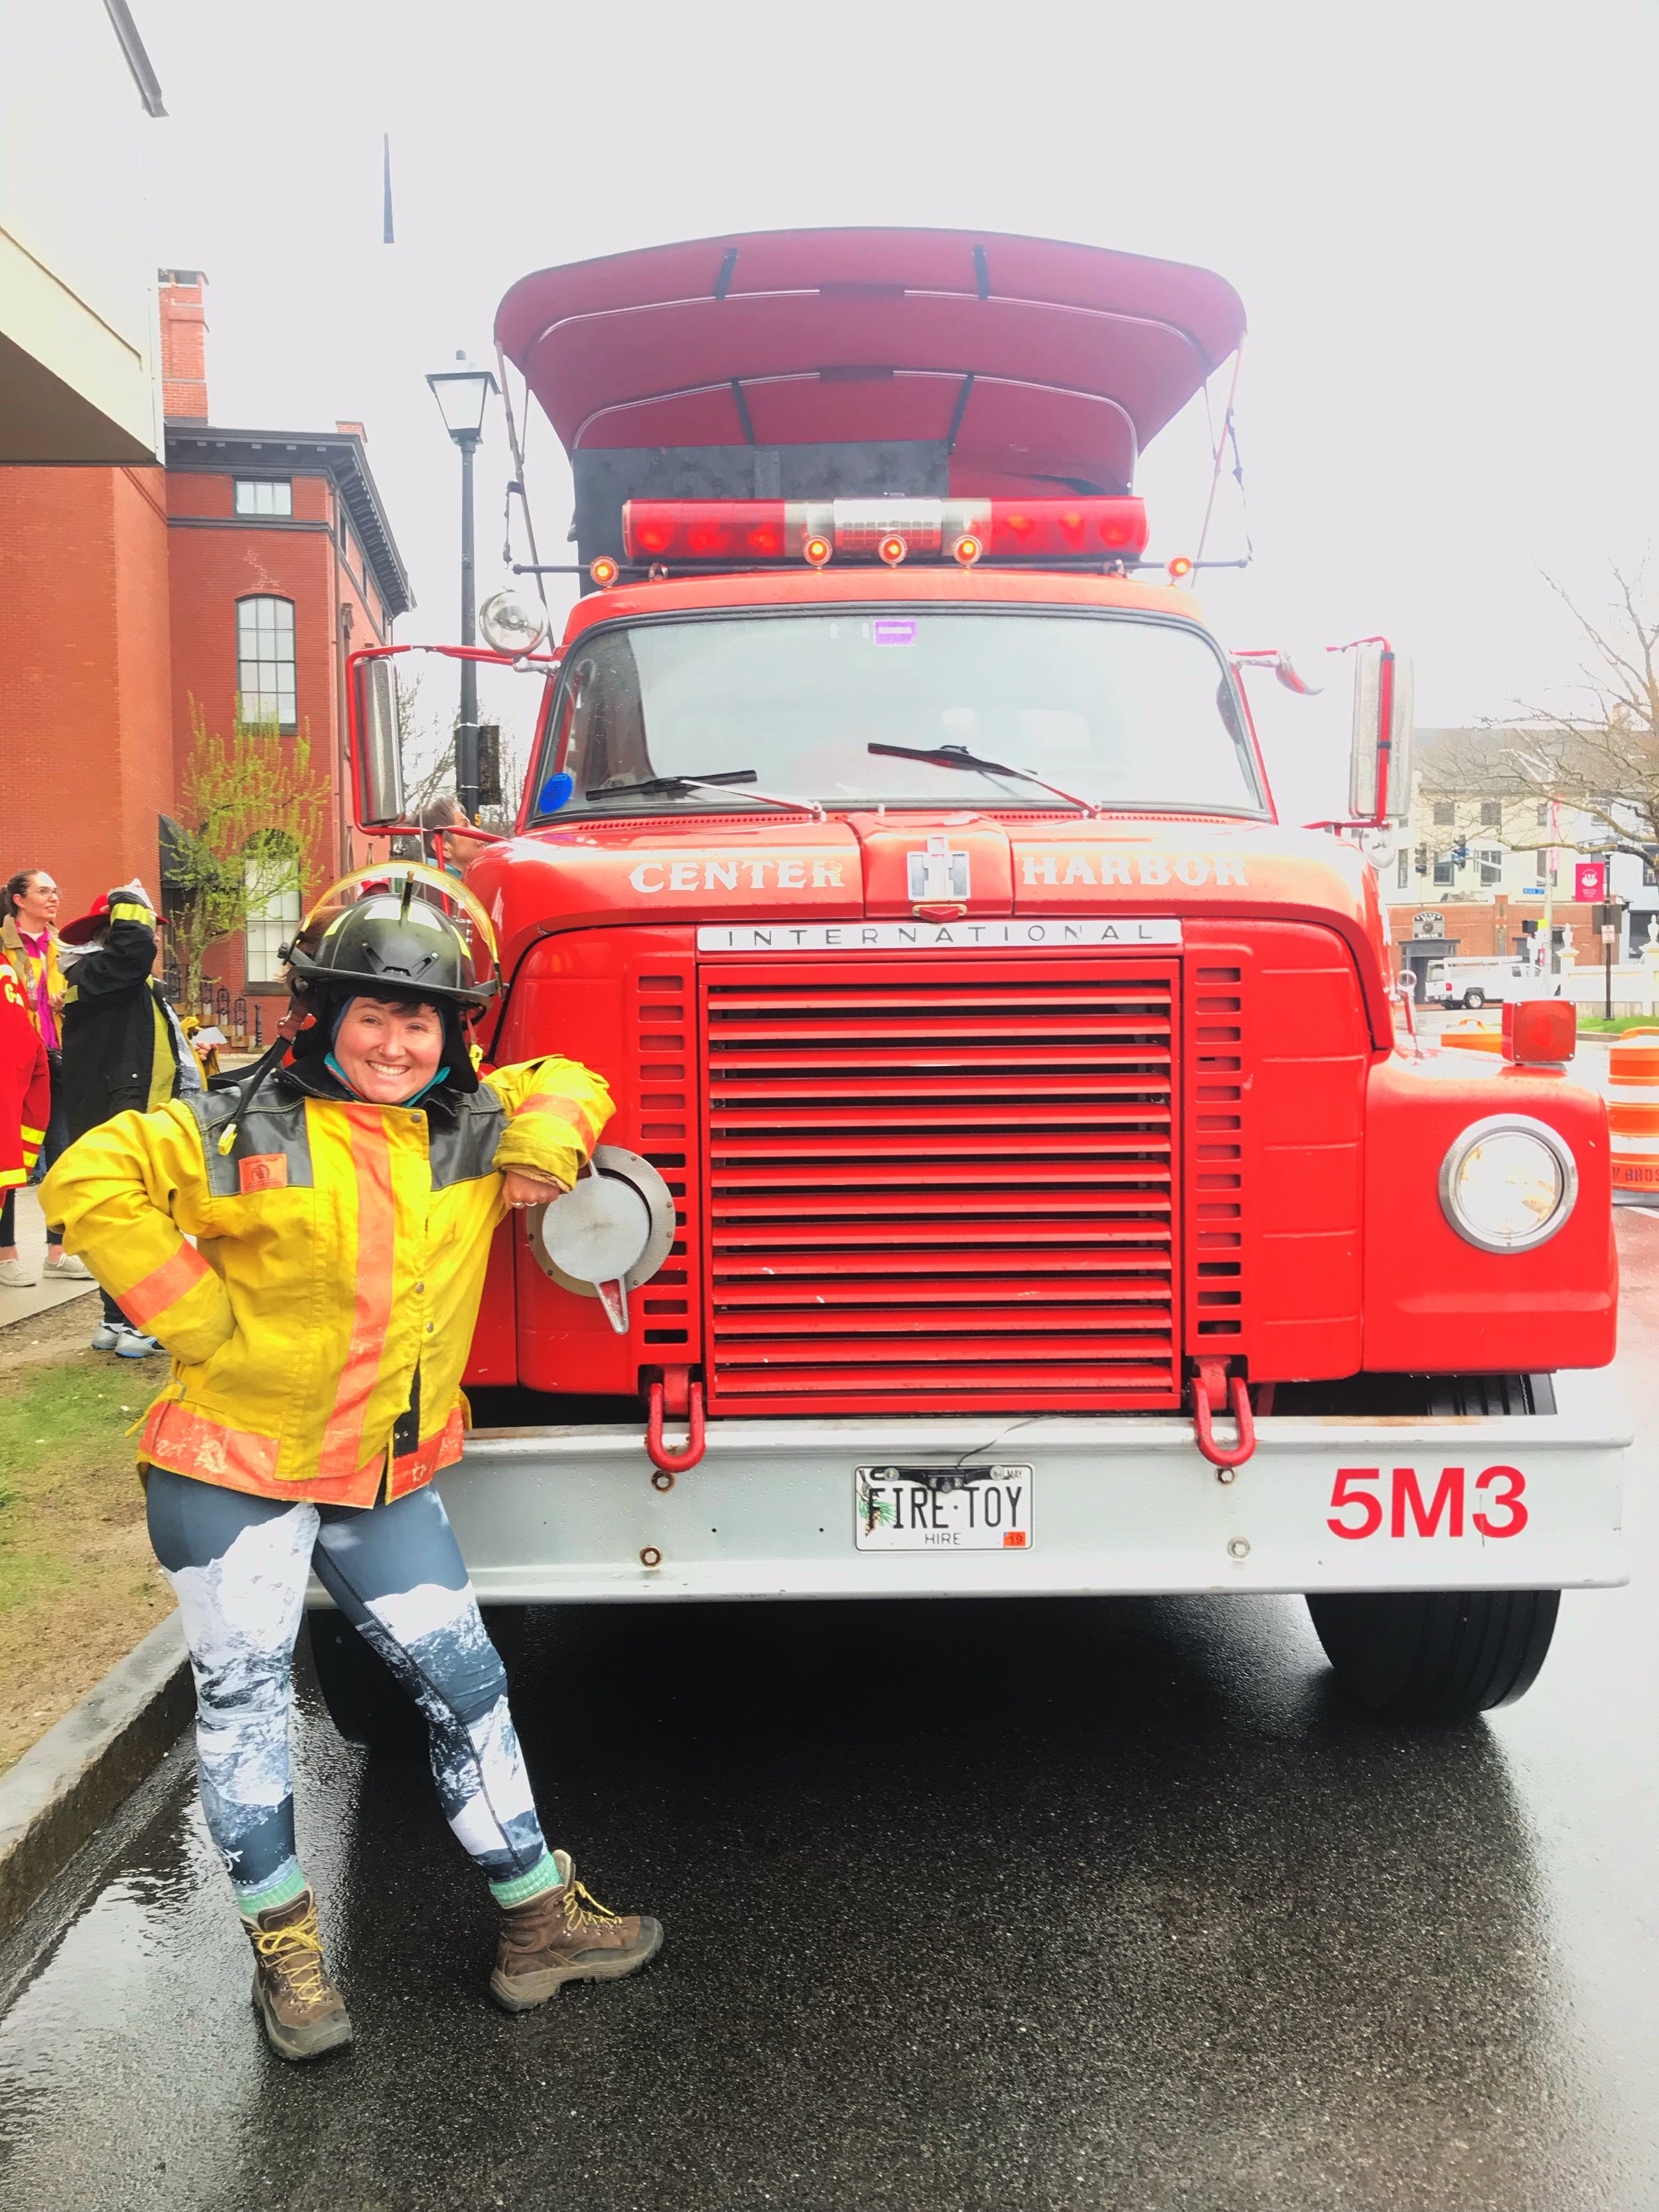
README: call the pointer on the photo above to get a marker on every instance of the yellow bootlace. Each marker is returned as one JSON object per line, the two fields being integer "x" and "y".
{"x": 297, "y": 1954}
{"x": 578, "y": 1895}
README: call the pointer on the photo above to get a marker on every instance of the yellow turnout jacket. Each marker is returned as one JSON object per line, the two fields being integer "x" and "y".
{"x": 320, "y": 1321}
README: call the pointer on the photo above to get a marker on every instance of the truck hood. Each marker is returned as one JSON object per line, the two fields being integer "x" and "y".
{"x": 955, "y": 871}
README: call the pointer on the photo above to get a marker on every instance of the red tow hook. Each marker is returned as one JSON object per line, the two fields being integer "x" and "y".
{"x": 1210, "y": 1390}
{"x": 687, "y": 1408}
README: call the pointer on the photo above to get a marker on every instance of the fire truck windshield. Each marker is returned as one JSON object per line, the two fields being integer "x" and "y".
{"x": 1122, "y": 710}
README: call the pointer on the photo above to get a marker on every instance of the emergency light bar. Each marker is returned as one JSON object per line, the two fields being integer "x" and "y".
{"x": 886, "y": 530}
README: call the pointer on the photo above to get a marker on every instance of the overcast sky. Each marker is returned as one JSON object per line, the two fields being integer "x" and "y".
{"x": 1440, "y": 219}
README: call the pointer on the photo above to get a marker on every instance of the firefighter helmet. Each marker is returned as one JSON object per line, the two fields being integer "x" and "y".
{"x": 391, "y": 942}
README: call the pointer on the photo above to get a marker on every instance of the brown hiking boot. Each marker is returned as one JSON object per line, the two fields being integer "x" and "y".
{"x": 303, "y": 2011}
{"x": 566, "y": 1935}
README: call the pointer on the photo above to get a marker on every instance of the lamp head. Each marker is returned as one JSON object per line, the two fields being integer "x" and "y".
{"x": 462, "y": 392}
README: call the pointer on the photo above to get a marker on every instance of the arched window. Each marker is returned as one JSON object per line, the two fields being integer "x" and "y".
{"x": 264, "y": 664}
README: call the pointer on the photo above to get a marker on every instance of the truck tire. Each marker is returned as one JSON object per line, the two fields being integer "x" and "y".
{"x": 364, "y": 1703}
{"x": 1437, "y": 1655}
{"x": 1474, "y": 999}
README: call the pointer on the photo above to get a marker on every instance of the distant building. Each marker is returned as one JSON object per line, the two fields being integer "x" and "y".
{"x": 233, "y": 583}
{"x": 1478, "y": 861}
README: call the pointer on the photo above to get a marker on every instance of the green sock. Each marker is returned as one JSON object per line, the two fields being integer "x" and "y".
{"x": 544, "y": 1874}
{"x": 284, "y": 1886}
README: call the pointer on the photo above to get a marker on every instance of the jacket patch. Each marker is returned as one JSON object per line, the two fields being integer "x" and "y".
{"x": 263, "y": 1171}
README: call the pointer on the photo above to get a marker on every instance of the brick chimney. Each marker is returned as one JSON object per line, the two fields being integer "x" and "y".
{"x": 184, "y": 345}
{"x": 353, "y": 430}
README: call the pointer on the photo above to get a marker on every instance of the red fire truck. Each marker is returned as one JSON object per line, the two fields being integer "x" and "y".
{"x": 1022, "y": 1179}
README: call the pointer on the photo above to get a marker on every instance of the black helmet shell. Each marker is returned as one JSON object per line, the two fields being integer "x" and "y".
{"x": 391, "y": 944}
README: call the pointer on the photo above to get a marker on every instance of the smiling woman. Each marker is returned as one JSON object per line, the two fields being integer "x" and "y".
{"x": 349, "y": 1200}
{"x": 388, "y": 1049}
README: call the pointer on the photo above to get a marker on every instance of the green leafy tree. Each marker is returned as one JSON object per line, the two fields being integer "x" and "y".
{"x": 252, "y": 812}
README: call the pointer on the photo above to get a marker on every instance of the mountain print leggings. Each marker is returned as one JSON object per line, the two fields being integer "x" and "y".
{"x": 238, "y": 1566}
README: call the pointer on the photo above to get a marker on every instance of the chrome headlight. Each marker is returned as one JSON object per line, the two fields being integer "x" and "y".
{"x": 1507, "y": 1183}
{"x": 512, "y": 622}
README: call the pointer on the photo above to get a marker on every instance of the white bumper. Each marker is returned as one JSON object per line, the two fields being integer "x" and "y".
{"x": 1124, "y": 1505}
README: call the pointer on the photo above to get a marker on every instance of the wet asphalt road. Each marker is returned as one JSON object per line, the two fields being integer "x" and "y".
{"x": 1083, "y": 1905}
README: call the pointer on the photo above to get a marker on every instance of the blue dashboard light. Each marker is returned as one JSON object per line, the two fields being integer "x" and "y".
{"x": 555, "y": 794}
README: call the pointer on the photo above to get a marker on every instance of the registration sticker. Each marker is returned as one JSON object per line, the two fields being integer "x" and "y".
{"x": 886, "y": 631}
{"x": 942, "y": 1508}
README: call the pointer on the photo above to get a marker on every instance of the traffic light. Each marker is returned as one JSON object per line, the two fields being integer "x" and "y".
{"x": 1460, "y": 852}
{"x": 1529, "y": 925}
{"x": 1422, "y": 860}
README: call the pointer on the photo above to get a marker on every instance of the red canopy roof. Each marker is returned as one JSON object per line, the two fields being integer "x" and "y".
{"x": 1037, "y": 362}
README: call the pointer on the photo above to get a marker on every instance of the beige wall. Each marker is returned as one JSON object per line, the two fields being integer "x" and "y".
{"x": 78, "y": 263}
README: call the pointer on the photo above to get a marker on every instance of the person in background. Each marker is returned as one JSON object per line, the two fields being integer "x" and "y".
{"x": 25, "y": 1085}
{"x": 207, "y": 1055}
{"x": 122, "y": 1047}
{"x": 30, "y": 947}
{"x": 444, "y": 816}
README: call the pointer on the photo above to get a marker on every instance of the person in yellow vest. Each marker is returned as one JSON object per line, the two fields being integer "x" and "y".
{"x": 29, "y": 943}
{"x": 311, "y": 1248}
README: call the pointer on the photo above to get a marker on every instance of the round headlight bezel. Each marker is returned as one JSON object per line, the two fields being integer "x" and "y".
{"x": 503, "y": 619}
{"x": 1479, "y": 1132}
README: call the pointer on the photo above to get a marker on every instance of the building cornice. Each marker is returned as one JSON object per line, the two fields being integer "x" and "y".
{"x": 205, "y": 449}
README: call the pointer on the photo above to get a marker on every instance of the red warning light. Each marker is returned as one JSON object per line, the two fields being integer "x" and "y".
{"x": 734, "y": 533}
{"x": 1180, "y": 569}
{"x": 603, "y": 571}
{"x": 816, "y": 551}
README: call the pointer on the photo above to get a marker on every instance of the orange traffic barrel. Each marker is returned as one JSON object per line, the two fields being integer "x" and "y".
{"x": 1473, "y": 1036}
{"x": 1634, "y": 1110}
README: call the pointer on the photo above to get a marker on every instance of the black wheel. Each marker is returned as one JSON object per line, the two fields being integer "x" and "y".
{"x": 1436, "y": 1655}
{"x": 1472, "y": 999}
{"x": 364, "y": 1702}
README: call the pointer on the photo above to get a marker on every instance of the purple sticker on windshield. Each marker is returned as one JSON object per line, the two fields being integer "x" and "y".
{"x": 893, "y": 633}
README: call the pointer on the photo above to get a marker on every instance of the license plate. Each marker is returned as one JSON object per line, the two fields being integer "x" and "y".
{"x": 942, "y": 1508}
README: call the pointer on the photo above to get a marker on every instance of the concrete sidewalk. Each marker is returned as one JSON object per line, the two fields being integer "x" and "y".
{"x": 23, "y": 1305}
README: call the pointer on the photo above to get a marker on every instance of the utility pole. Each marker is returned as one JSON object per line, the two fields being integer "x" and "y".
{"x": 462, "y": 393}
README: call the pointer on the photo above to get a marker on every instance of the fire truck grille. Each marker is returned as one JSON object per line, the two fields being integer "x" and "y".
{"x": 941, "y": 1187}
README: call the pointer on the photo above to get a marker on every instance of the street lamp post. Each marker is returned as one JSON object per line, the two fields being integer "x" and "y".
{"x": 462, "y": 393}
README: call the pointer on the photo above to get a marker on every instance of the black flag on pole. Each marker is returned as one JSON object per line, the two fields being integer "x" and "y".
{"x": 388, "y": 236}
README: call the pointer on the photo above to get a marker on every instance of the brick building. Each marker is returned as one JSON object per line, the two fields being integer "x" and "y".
{"x": 233, "y": 581}
{"x": 1483, "y": 864}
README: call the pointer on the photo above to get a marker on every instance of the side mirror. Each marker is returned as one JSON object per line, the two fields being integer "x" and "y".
{"x": 377, "y": 746}
{"x": 1379, "y": 757}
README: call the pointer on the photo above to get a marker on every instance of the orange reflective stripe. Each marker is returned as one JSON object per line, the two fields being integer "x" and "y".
{"x": 164, "y": 1287}
{"x": 569, "y": 1109}
{"x": 371, "y": 1315}
{"x": 411, "y": 1469}
{"x": 190, "y": 1444}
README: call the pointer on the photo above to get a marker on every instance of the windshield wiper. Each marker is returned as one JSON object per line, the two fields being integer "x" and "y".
{"x": 959, "y": 756}
{"x": 722, "y": 779}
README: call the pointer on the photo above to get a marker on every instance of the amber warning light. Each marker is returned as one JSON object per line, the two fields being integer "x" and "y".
{"x": 745, "y": 530}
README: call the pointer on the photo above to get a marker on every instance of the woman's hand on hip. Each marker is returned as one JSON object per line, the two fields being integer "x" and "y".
{"x": 523, "y": 1188}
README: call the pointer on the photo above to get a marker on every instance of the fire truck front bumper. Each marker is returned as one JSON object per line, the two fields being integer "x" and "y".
{"x": 1049, "y": 1504}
